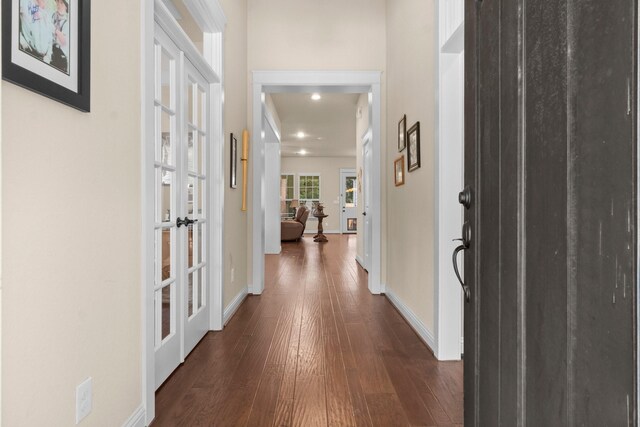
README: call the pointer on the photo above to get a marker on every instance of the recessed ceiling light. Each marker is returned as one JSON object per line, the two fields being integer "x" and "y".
{"x": 316, "y": 97}
{"x": 302, "y": 152}
{"x": 300, "y": 135}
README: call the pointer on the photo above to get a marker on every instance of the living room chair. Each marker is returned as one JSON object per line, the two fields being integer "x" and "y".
{"x": 292, "y": 230}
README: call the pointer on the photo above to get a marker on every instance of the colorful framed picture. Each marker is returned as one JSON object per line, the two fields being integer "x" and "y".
{"x": 413, "y": 147}
{"x": 402, "y": 133}
{"x": 46, "y": 48}
{"x": 398, "y": 169}
{"x": 234, "y": 162}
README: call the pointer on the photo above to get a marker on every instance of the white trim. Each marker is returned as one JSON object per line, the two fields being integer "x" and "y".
{"x": 137, "y": 419}
{"x": 148, "y": 191}
{"x": 235, "y": 304}
{"x": 360, "y": 261}
{"x": 304, "y": 82}
{"x": 175, "y": 32}
{"x": 208, "y": 15}
{"x": 323, "y": 232}
{"x": 416, "y": 324}
{"x": 448, "y": 177}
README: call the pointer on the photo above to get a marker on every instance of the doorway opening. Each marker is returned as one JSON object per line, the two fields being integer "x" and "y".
{"x": 305, "y": 82}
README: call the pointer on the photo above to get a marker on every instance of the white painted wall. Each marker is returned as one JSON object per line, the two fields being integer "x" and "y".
{"x": 71, "y": 260}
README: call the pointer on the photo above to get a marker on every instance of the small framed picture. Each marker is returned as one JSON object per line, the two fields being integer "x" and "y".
{"x": 413, "y": 147}
{"x": 46, "y": 47}
{"x": 402, "y": 133}
{"x": 234, "y": 162}
{"x": 398, "y": 168}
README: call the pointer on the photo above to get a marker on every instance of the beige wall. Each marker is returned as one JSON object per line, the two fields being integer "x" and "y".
{"x": 311, "y": 35}
{"x": 410, "y": 208}
{"x": 71, "y": 242}
{"x": 329, "y": 170}
{"x": 235, "y": 120}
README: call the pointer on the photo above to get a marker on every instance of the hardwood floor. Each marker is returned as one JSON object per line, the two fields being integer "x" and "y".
{"x": 316, "y": 349}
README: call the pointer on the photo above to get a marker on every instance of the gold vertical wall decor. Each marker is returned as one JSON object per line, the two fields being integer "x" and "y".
{"x": 244, "y": 159}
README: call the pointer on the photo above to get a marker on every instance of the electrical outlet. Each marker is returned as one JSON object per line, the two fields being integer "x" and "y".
{"x": 84, "y": 399}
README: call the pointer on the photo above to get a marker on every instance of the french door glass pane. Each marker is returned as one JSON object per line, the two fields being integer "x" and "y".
{"x": 166, "y": 311}
{"x": 190, "y": 295}
{"x": 166, "y": 271}
{"x": 201, "y": 154}
{"x": 190, "y": 105}
{"x": 166, "y": 136}
{"x": 166, "y": 195}
{"x": 190, "y": 246}
{"x": 191, "y": 151}
{"x": 167, "y": 65}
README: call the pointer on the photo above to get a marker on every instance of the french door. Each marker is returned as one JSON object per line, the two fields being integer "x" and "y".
{"x": 181, "y": 243}
{"x": 348, "y": 201}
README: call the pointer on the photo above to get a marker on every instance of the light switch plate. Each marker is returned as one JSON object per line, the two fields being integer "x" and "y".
{"x": 84, "y": 399}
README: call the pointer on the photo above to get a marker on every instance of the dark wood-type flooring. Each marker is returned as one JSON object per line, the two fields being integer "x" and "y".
{"x": 316, "y": 349}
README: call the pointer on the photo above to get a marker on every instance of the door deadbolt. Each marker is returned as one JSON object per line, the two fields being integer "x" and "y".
{"x": 464, "y": 197}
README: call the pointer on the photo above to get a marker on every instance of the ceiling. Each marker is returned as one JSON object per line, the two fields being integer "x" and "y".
{"x": 329, "y": 124}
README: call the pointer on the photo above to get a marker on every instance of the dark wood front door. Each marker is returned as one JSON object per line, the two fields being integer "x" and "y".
{"x": 550, "y": 164}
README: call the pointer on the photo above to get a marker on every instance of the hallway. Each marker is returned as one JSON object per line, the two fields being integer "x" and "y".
{"x": 315, "y": 349}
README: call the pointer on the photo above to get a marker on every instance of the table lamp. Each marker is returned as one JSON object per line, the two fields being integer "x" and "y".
{"x": 295, "y": 204}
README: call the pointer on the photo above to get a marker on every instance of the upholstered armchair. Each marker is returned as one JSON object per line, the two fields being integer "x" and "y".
{"x": 293, "y": 229}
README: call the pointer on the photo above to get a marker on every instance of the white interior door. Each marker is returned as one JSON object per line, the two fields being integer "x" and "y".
{"x": 366, "y": 181}
{"x": 348, "y": 201}
{"x": 168, "y": 192}
{"x": 196, "y": 208}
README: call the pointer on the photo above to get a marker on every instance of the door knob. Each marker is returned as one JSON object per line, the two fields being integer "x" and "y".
{"x": 464, "y": 197}
{"x": 364, "y": 213}
{"x": 466, "y": 243}
{"x": 186, "y": 222}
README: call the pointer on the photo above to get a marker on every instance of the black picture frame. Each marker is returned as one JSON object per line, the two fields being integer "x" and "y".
{"x": 78, "y": 69}
{"x": 233, "y": 181}
{"x": 413, "y": 147}
{"x": 402, "y": 133}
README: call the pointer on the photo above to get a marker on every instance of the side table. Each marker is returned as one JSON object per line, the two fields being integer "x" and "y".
{"x": 320, "y": 237}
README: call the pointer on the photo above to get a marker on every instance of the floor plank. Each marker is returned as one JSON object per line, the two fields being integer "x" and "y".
{"x": 315, "y": 349}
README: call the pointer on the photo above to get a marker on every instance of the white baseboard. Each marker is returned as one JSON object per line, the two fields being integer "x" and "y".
{"x": 360, "y": 261}
{"x": 233, "y": 306}
{"x": 324, "y": 232}
{"x": 383, "y": 288}
{"x": 417, "y": 325}
{"x": 136, "y": 419}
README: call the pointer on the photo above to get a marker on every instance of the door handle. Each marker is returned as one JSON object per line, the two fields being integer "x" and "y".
{"x": 466, "y": 243}
{"x": 464, "y": 197}
{"x": 364, "y": 213}
{"x": 186, "y": 222}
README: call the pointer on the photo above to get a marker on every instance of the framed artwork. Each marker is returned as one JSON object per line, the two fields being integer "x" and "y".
{"x": 234, "y": 162}
{"x": 46, "y": 48}
{"x": 398, "y": 171}
{"x": 413, "y": 147}
{"x": 402, "y": 133}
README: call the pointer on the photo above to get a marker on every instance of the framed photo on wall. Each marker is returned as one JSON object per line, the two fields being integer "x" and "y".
{"x": 46, "y": 48}
{"x": 234, "y": 162}
{"x": 398, "y": 171}
{"x": 402, "y": 133}
{"x": 413, "y": 147}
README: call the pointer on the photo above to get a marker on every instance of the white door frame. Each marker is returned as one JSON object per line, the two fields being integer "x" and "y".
{"x": 308, "y": 82}
{"x": 210, "y": 17}
{"x": 345, "y": 171}
{"x": 366, "y": 233}
{"x": 449, "y": 154}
